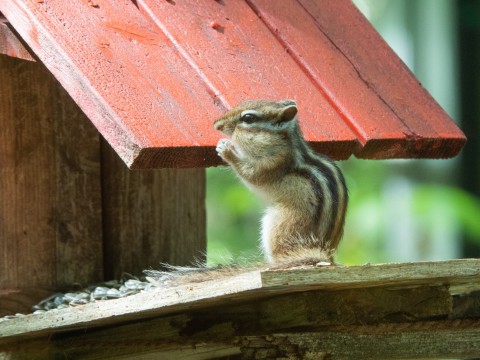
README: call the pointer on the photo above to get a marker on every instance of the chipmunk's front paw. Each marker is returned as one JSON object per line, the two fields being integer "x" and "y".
{"x": 224, "y": 146}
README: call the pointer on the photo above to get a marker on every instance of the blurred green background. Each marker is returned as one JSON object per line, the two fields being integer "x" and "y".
{"x": 400, "y": 210}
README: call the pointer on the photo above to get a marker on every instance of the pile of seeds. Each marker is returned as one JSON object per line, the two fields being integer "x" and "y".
{"x": 114, "y": 289}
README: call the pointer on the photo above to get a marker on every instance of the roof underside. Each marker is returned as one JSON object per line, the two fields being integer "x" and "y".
{"x": 153, "y": 75}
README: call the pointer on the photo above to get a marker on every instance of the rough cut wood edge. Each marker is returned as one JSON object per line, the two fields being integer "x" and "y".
{"x": 143, "y": 305}
{"x": 460, "y": 274}
{"x": 206, "y": 156}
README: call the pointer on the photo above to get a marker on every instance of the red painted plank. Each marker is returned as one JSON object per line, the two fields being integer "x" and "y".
{"x": 9, "y": 43}
{"x": 236, "y": 54}
{"x": 122, "y": 72}
{"x": 429, "y": 130}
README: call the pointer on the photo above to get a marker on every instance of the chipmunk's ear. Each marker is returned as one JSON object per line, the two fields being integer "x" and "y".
{"x": 289, "y": 111}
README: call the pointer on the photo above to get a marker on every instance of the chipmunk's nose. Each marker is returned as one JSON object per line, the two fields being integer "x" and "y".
{"x": 218, "y": 126}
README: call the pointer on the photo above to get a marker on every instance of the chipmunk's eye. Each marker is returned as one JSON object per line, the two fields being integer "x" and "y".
{"x": 249, "y": 118}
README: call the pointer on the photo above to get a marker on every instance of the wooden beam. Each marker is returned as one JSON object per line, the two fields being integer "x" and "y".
{"x": 71, "y": 213}
{"x": 50, "y": 223}
{"x": 437, "y": 340}
{"x": 457, "y": 274}
{"x": 430, "y": 340}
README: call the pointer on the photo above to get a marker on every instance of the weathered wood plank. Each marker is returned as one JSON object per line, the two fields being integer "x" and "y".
{"x": 10, "y": 44}
{"x": 461, "y": 275}
{"x": 431, "y": 340}
{"x": 143, "y": 350}
{"x": 138, "y": 306}
{"x": 77, "y": 216}
{"x": 50, "y": 205}
{"x": 234, "y": 52}
{"x": 315, "y": 310}
{"x": 284, "y": 325}
{"x": 466, "y": 306}
{"x": 430, "y": 131}
{"x": 243, "y": 287}
{"x": 150, "y": 216}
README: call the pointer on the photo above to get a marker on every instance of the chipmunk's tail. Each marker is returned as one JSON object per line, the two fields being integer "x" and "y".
{"x": 171, "y": 275}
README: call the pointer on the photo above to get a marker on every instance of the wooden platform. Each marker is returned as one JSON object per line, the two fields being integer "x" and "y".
{"x": 408, "y": 310}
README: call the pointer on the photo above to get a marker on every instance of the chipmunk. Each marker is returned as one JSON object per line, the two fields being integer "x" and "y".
{"x": 305, "y": 191}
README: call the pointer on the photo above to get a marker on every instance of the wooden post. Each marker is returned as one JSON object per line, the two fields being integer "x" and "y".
{"x": 50, "y": 205}
{"x": 70, "y": 210}
{"x": 150, "y": 216}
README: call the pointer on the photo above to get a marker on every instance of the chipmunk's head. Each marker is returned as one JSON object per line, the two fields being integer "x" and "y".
{"x": 257, "y": 116}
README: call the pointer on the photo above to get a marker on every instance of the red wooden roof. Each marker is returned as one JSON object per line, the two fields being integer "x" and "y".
{"x": 153, "y": 75}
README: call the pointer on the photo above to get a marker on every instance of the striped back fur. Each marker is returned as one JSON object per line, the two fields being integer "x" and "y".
{"x": 305, "y": 191}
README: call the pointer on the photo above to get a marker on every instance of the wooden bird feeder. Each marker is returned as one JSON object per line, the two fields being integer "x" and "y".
{"x": 88, "y": 86}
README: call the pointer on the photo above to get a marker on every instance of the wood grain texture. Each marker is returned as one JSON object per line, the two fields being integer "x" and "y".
{"x": 460, "y": 274}
{"x": 428, "y": 130}
{"x": 440, "y": 340}
{"x": 249, "y": 286}
{"x": 10, "y": 44}
{"x": 435, "y": 340}
{"x": 150, "y": 216}
{"x": 231, "y": 326}
{"x": 50, "y": 224}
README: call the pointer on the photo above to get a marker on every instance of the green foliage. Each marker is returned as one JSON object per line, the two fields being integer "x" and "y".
{"x": 462, "y": 207}
{"x": 233, "y": 218}
{"x": 365, "y": 214}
